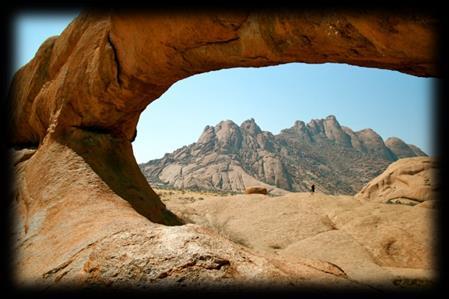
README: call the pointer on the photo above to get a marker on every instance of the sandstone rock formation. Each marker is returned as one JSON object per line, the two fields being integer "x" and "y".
{"x": 83, "y": 211}
{"x": 229, "y": 157}
{"x": 409, "y": 180}
{"x": 75, "y": 230}
{"x": 105, "y": 69}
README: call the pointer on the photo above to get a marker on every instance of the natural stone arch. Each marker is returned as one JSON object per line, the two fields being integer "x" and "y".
{"x": 85, "y": 89}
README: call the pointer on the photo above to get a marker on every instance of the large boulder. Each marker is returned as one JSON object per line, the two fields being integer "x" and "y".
{"x": 408, "y": 180}
{"x": 256, "y": 190}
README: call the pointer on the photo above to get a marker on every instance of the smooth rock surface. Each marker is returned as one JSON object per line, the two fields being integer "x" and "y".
{"x": 74, "y": 230}
{"x": 369, "y": 243}
{"x": 104, "y": 69}
{"x": 409, "y": 180}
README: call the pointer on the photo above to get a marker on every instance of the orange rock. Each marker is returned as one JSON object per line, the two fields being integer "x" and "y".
{"x": 103, "y": 70}
{"x": 256, "y": 190}
{"x": 407, "y": 181}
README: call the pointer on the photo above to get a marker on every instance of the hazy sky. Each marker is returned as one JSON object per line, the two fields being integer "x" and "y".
{"x": 389, "y": 102}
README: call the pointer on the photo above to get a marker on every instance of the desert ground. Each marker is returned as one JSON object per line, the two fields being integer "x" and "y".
{"x": 379, "y": 245}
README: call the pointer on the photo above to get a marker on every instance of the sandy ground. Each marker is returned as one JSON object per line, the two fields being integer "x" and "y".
{"x": 381, "y": 245}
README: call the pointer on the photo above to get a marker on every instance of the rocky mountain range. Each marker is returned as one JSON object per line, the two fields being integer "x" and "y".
{"x": 228, "y": 157}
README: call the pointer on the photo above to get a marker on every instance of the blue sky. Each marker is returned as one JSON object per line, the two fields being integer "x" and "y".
{"x": 31, "y": 29}
{"x": 389, "y": 102}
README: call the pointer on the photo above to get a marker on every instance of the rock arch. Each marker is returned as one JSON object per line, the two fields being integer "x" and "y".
{"x": 80, "y": 98}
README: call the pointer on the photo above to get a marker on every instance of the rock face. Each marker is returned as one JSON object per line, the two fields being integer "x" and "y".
{"x": 409, "y": 180}
{"x": 80, "y": 202}
{"x": 73, "y": 228}
{"x": 403, "y": 150}
{"x": 229, "y": 157}
{"x": 105, "y": 69}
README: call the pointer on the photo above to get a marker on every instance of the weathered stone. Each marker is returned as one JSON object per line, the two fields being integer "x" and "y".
{"x": 408, "y": 180}
{"x": 105, "y": 69}
{"x": 401, "y": 149}
{"x": 256, "y": 190}
{"x": 369, "y": 242}
{"x": 81, "y": 201}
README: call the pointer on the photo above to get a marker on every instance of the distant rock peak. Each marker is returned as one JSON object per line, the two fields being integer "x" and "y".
{"x": 315, "y": 126}
{"x": 227, "y": 122}
{"x": 402, "y": 149}
{"x": 299, "y": 124}
{"x": 368, "y": 130}
{"x": 229, "y": 157}
{"x": 315, "y": 121}
{"x": 251, "y": 127}
{"x": 207, "y": 136}
{"x": 331, "y": 120}
{"x": 395, "y": 139}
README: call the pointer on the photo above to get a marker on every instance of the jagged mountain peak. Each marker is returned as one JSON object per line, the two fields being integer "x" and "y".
{"x": 228, "y": 136}
{"x": 226, "y": 123}
{"x": 250, "y": 126}
{"x": 368, "y": 131}
{"x": 331, "y": 120}
{"x": 207, "y": 136}
{"x": 315, "y": 121}
{"x": 299, "y": 124}
{"x": 395, "y": 140}
{"x": 229, "y": 157}
{"x": 369, "y": 136}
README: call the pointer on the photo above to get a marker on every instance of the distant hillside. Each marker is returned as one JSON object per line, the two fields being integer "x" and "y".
{"x": 229, "y": 157}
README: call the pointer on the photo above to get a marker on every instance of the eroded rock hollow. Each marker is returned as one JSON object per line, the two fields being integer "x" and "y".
{"x": 77, "y": 103}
